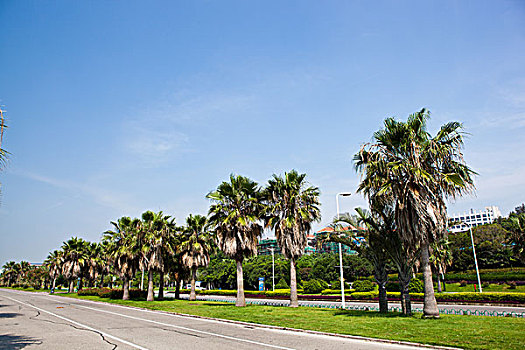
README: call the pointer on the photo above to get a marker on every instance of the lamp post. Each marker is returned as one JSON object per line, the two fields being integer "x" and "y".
{"x": 344, "y": 194}
{"x": 273, "y": 270}
{"x": 475, "y": 258}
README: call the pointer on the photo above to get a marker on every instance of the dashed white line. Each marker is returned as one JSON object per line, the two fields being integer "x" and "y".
{"x": 81, "y": 325}
{"x": 187, "y": 329}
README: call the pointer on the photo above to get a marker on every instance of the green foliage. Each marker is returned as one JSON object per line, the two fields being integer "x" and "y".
{"x": 282, "y": 284}
{"x": 314, "y": 286}
{"x": 113, "y": 293}
{"x": 415, "y": 286}
{"x": 363, "y": 286}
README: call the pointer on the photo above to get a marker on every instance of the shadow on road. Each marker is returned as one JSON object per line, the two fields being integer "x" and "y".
{"x": 8, "y": 341}
{"x": 9, "y": 315}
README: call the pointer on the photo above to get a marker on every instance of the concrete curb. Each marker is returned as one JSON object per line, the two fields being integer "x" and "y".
{"x": 259, "y": 325}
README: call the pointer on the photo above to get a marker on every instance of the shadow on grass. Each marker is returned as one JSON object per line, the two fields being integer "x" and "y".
{"x": 371, "y": 314}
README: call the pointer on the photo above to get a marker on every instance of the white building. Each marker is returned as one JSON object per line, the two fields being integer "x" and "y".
{"x": 461, "y": 222}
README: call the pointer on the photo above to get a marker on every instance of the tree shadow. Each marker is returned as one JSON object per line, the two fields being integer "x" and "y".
{"x": 370, "y": 314}
{"x": 8, "y": 341}
{"x": 8, "y": 315}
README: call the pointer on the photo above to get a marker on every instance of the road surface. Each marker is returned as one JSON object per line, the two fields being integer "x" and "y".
{"x": 40, "y": 321}
{"x": 481, "y": 310}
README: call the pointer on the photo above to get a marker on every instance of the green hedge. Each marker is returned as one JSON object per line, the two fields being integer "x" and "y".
{"x": 113, "y": 293}
{"x": 452, "y": 297}
{"x": 336, "y": 291}
{"x": 495, "y": 275}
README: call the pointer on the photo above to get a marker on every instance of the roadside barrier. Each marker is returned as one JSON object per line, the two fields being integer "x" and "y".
{"x": 464, "y": 312}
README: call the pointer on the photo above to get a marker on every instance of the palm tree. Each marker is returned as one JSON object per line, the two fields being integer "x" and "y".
{"x": 123, "y": 244}
{"x": 10, "y": 272}
{"x": 419, "y": 171}
{"x": 157, "y": 231}
{"x": 74, "y": 260}
{"x": 440, "y": 259}
{"x": 53, "y": 263}
{"x": 291, "y": 207}
{"x": 235, "y": 216}
{"x": 196, "y": 247}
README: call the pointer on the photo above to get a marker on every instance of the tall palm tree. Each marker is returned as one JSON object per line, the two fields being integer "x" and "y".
{"x": 53, "y": 263}
{"x": 157, "y": 231}
{"x": 235, "y": 216}
{"x": 419, "y": 171}
{"x": 124, "y": 244}
{"x": 291, "y": 207}
{"x": 196, "y": 247}
{"x": 74, "y": 260}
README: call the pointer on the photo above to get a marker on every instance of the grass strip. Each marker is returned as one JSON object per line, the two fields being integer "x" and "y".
{"x": 468, "y": 332}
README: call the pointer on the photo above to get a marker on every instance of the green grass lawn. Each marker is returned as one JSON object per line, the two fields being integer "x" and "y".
{"x": 27, "y": 289}
{"x": 469, "y": 332}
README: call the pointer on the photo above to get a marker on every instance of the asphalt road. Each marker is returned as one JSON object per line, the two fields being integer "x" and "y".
{"x": 40, "y": 321}
{"x": 483, "y": 310}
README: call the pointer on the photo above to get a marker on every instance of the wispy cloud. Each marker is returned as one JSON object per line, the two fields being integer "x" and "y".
{"x": 102, "y": 196}
{"x": 162, "y": 133}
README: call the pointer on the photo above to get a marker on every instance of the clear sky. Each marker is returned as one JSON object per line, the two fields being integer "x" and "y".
{"x": 119, "y": 107}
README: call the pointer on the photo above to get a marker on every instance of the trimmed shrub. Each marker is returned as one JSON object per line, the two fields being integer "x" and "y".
{"x": 363, "y": 286}
{"x": 314, "y": 286}
{"x": 393, "y": 287}
{"x": 415, "y": 286}
{"x": 463, "y": 283}
{"x": 282, "y": 284}
{"x": 88, "y": 291}
{"x": 512, "y": 285}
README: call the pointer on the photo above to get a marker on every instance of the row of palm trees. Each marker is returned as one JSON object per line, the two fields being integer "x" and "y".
{"x": 240, "y": 210}
{"x": 14, "y": 273}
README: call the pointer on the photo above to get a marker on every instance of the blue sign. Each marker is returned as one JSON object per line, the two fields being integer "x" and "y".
{"x": 261, "y": 284}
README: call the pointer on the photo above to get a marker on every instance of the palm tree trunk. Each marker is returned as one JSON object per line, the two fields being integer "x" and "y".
{"x": 404, "y": 281}
{"x": 439, "y": 281}
{"x": 71, "y": 286}
{"x": 151, "y": 295}
{"x": 193, "y": 294}
{"x": 125, "y": 288}
{"x": 161, "y": 286}
{"x": 101, "y": 280}
{"x": 53, "y": 285}
{"x": 430, "y": 308}
{"x": 177, "y": 288}
{"x": 240, "y": 286}
{"x": 294, "y": 302}
{"x": 381, "y": 277}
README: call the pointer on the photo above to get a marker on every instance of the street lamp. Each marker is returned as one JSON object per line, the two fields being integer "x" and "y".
{"x": 273, "y": 270}
{"x": 344, "y": 194}
{"x": 475, "y": 258}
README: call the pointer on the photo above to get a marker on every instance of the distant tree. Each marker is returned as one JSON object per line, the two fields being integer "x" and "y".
{"x": 196, "y": 247}
{"x": 520, "y": 209}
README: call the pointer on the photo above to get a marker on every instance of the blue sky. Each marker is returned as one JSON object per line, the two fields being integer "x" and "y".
{"x": 119, "y": 107}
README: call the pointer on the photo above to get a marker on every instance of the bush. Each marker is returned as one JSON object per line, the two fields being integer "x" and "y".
{"x": 393, "y": 287}
{"x": 88, "y": 291}
{"x": 282, "y": 284}
{"x": 415, "y": 286}
{"x": 113, "y": 293}
{"x": 512, "y": 285}
{"x": 485, "y": 284}
{"x": 463, "y": 283}
{"x": 363, "y": 286}
{"x": 314, "y": 286}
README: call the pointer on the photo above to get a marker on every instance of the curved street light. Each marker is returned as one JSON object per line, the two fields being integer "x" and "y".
{"x": 343, "y": 194}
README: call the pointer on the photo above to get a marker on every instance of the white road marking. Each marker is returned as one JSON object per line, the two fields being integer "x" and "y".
{"x": 188, "y": 329}
{"x": 81, "y": 325}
